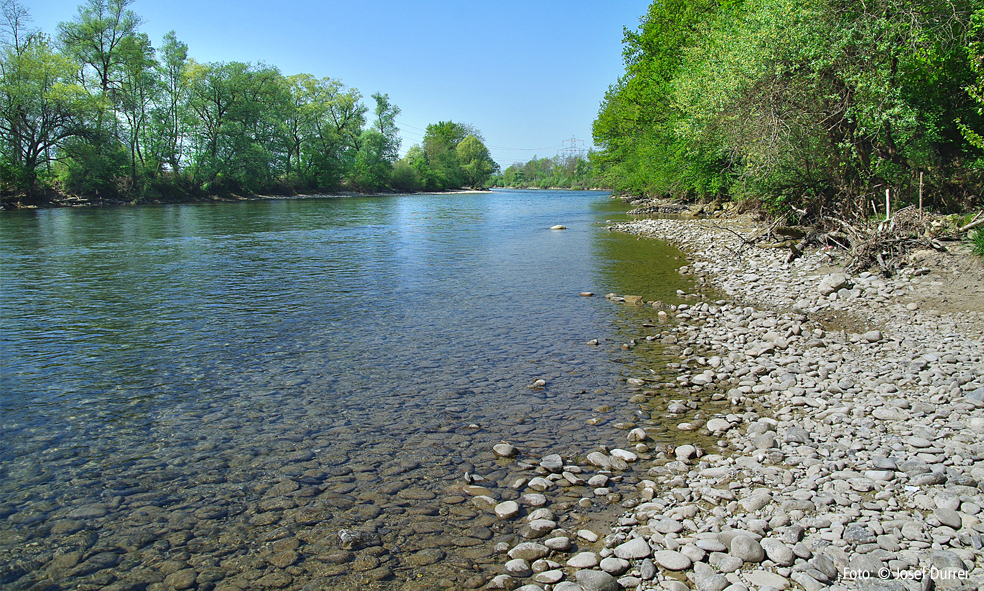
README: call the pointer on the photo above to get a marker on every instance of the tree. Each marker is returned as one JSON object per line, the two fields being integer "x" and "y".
{"x": 237, "y": 133}
{"x": 40, "y": 104}
{"x": 816, "y": 102}
{"x": 975, "y": 58}
{"x": 95, "y": 37}
{"x": 385, "y": 124}
{"x": 101, "y": 40}
{"x": 440, "y": 142}
{"x": 139, "y": 89}
{"x": 476, "y": 161}
{"x": 170, "y": 113}
{"x": 372, "y": 168}
{"x": 324, "y": 130}
{"x": 14, "y": 25}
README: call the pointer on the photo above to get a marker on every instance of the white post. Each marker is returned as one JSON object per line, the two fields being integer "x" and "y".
{"x": 888, "y": 204}
{"x": 920, "y": 194}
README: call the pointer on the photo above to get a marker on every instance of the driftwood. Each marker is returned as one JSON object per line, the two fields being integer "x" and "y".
{"x": 882, "y": 245}
{"x": 973, "y": 223}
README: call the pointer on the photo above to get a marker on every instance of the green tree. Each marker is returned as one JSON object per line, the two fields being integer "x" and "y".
{"x": 100, "y": 39}
{"x": 385, "y": 124}
{"x": 975, "y": 59}
{"x": 237, "y": 132}
{"x": 324, "y": 130}
{"x": 372, "y": 167}
{"x": 41, "y": 106}
{"x": 476, "y": 161}
{"x": 95, "y": 37}
{"x": 139, "y": 90}
{"x": 816, "y": 103}
{"x": 441, "y": 140}
{"x": 170, "y": 114}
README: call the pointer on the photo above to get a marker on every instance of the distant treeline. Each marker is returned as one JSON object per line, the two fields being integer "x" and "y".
{"x": 97, "y": 111}
{"x": 569, "y": 171}
{"x": 817, "y": 104}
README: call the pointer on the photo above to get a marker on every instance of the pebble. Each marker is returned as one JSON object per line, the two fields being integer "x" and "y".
{"x": 672, "y": 560}
{"x": 596, "y": 580}
{"x": 507, "y": 509}
{"x": 747, "y": 549}
{"x": 835, "y": 449}
{"x": 634, "y": 549}
{"x": 763, "y": 578}
{"x": 584, "y": 560}
{"x": 505, "y": 450}
{"x": 529, "y": 551}
{"x": 518, "y": 568}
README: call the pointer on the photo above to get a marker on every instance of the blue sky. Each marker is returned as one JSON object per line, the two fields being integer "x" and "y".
{"x": 529, "y": 74}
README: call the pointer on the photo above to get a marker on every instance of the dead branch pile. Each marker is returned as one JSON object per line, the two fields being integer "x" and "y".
{"x": 881, "y": 245}
{"x": 884, "y": 245}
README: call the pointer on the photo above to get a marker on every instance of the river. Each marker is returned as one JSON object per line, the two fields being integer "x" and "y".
{"x": 205, "y": 394}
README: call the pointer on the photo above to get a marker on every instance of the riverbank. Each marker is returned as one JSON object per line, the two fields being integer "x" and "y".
{"x": 77, "y": 201}
{"x": 849, "y": 456}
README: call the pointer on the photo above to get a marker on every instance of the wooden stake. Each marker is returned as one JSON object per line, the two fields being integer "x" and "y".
{"x": 920, "y": 195}
{"x": 888, "y": 204}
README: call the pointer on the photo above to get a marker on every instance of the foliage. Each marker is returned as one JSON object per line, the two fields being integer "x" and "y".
{"x": 41, "y": 106}
{"x": 103, "y": 113}
{"x": 571, "y": 171}
{"x": 815, "y": 104}
{"x": 976, "y": 239}
{"x": 477, "y": 165}
{"x": 451, "y": 155}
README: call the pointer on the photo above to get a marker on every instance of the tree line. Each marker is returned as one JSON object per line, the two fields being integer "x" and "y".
{"x": 820, "y": 105}
{"x": 98, "y": 111}
{"x": 566, "y": 171}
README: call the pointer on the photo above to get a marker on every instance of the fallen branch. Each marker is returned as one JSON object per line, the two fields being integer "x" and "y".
{"x": 973, "y": 223}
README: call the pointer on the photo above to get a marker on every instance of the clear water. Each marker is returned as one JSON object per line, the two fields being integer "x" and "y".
{"x": 213, "y": 391}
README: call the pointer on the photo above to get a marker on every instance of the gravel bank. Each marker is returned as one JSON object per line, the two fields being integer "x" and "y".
{"x": 850, "y": 457}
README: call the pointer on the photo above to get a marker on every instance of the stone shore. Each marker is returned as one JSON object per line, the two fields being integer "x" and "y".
{"x": 851, "y": 454}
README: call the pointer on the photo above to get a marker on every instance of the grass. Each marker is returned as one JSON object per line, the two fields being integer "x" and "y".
{"x": 976, "y": 239}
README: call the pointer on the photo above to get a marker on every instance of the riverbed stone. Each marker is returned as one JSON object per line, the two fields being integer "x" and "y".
{"x": 518, "y": 567}
{"x": 948, "y": 517}
{"x": 671, "y": 560}
{"x": 763, "y": 578}
{"x": 599, "y": 459}
{"x": 583, "y": 560}
{"x": 552, "y": 463}
{"x": 747, "y": 549}
{"x": 596, "y": 580}
{"x": 505, "y": 450}
{"x": 529, "y": 551}
{"x": 634, "y": 549}
{"x": 778, "y": 552}
{"x": 614, "y": 566}
{"x": 507, "y": 509}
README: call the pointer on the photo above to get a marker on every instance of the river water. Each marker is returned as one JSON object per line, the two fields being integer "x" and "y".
{"x": 203, "y": 396}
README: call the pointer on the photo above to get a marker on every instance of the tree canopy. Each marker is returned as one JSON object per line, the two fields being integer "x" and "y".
{"x": 99, "y": 111}
{"x": 815, "y": 103}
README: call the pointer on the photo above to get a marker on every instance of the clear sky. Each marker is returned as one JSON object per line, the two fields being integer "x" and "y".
{"x": 528, "y": 73}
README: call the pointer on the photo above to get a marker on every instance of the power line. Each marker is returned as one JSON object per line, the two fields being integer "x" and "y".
{"x": 524, "y": 149}
{"x": 573, "y": 151}
{"x": 410, "y": 126}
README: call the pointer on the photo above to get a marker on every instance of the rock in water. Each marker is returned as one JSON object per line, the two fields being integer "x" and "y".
{"x": 504, "y": 450}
